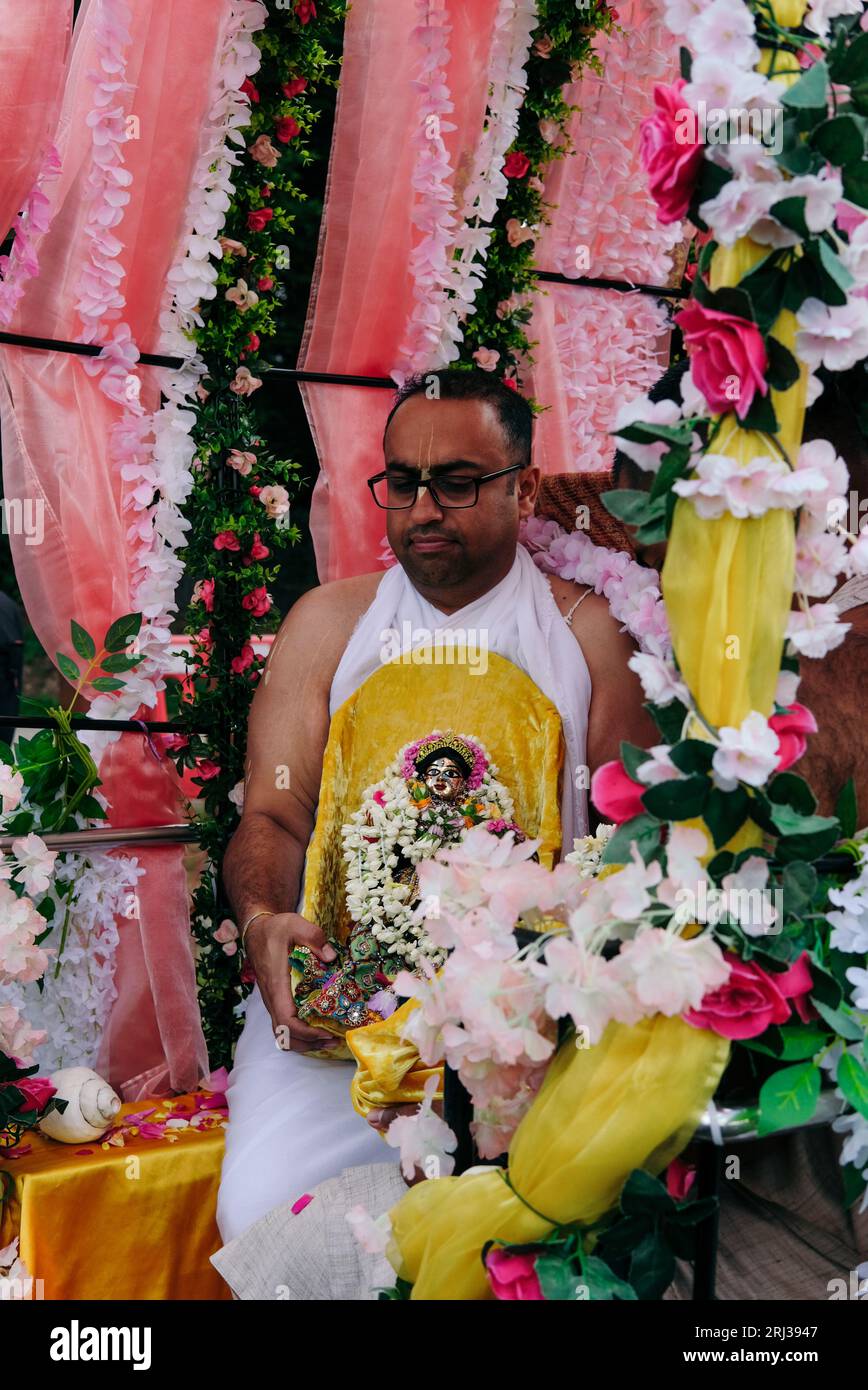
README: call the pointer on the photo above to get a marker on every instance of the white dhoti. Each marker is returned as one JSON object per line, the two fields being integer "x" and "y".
{"x": 291, "y": 1121}
{"x": 292, "y": 1125}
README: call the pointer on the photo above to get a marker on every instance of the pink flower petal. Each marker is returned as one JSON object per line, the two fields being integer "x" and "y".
{"x": 303, "y": 1201}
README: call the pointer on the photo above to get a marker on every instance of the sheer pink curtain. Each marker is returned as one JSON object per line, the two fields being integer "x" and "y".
{"x": 362, "y": 292}
{"x": 597, "y": 348}
{"x": 56, "y": 425}
{"x": 34, "y": 39}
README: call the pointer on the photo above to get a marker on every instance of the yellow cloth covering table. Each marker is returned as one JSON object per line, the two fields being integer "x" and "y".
{"x": 131, "y": 1222}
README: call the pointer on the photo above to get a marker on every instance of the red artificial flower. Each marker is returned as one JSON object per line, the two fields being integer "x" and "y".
{"x": 516, "y": 165}
{"x": 680, "y": 1176}
{"x": 671, "y": 152}
{"x": 752, "y": 999}
{"x": 615, "y": 795}
{"x": 249, "y": 90}
{"x": 265, "y": 191}
{"x": 305, "y": 11}
{"x": 513, "y": 1276}
{"x": 510, "y": 382}
{"x": 258, "y": 551}
{"x": 728, "y": 357}
{"x": 286, "y": 128}
{"x": 254, "y": 491}
{"x": 253, "y": 342}
{"x": 246, "y": 658}
{"x": 258, "y": 219}
{"x": 791, "y": 728}
{"x": 173, "y": 743}
{"x": 226, "y": 540}
{"x": 37, "y": 1091}
{"x": 257, "y": 602}
{"x": 294, "y": 87}
{"x": 206, "y": 770}
{"x": 265, "y": 283}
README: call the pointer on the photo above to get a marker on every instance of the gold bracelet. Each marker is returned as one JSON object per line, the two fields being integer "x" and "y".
{"x": 264, "y": 912}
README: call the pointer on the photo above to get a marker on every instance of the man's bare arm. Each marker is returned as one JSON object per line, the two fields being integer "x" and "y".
{"x": 287, "y": 735}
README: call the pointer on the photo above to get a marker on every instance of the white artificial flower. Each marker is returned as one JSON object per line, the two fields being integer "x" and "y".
{"x": 787, "y": 688}
{"x": 373, "y": 1235}
{"x": 684, "y": 849}
{"x": 746, "y": 754}
{"x": 581, "y": 985}
{"x": 425, "y": 1140}
{"x": 737, "y": 209}
{"x": 692, "y": 399}
{"x": 857, "y": 558}
{"x": 822, "y": 193}
{"x": 815, "y": 389}
{"x": 740, "y": 893}
{"x": 859, "y": 978}
{"x": 11, "y": 788}
{"x": 35, "y": 863}
{"x": 817, "y": 632}
{"x": 832, "y": 335}
{"x": 821, "y": 556}
{"x": 721, "y": 86}
{"x": 627, "y": 890}
{"x": 236, "y": 796}
{"x": 724, "y": 484}
{"x": 855, "y": 254}
{"x": 643, "y": 411}
{"x": 821, "y": 12}
{"x": 672, "y": 974}
{"x": 679, "y": 14}
{"x": 660, "y": 680}
{"x": 659, "y": 767}
{"x": 725, "y": 29}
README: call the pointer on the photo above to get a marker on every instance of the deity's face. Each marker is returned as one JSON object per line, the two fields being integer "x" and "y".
{"x": 445, "y": 779}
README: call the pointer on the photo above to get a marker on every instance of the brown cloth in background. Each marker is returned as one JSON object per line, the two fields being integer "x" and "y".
{"x": 560, "y": 495}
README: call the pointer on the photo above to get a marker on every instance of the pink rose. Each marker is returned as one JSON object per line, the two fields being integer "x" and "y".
{"x": 680, "y": 1177}
{"x": 294, "y": 87}
{"x": 242, "y": 460}
{"x": 486, "y": 358}
{"x": 257, "y": 602}
{"x": 258, "y": 551}
{"x": 245, "y": 383}
{"x": 275, "y": 500}
{"x": 287, "y": 128}
{"x": 265, "y": 283}
{"x": 203, "y": 592}
{"x": 516, "y": 165}
{"x": 37, "y": 1091}
{"x": 206, "y": 770}
{"x": 173, "y": 743}
{"x": 517, "y": 232}
{"x": 204, "y": 638}
{"x": 791, "y": 729}
{"x": 672, "y": 163}
{"x": 616, "y": 796}
{"x": 246, "y": 658}
{"x": 227, "y": 936}
{"x": 232, "y": 248}
{"x": 728, "y": 358}
{"x": 259, "y": 218}
{"x": 253, "y": 342}
{"x": 752, "y": 1000}
{"x": 264, "y": 153}
{"x": 226, "y": 540}
{"x": 305, "y": 11}
{"x": 513, "y": 1276}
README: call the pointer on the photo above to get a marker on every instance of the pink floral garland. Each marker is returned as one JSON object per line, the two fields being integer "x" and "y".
{"x": 22, "y": 263}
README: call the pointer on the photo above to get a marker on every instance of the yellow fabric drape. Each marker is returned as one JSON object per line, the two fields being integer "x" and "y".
{"x": 400, "y": 702}
{"x": 632, "y": 1101}
{"x": 388, "y": 1068}
{"x": 136, "y": 1222}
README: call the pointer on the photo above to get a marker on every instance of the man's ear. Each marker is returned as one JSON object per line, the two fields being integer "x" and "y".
{"x": 529, "y": 480}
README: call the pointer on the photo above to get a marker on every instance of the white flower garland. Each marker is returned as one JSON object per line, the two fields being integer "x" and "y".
{"x": 391, "y": 825}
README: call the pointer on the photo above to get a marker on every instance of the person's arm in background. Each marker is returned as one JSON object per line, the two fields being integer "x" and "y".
{"x": 287, "y": 734}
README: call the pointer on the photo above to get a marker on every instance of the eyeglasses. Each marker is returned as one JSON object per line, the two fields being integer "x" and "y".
{"x": 398, "y": 491}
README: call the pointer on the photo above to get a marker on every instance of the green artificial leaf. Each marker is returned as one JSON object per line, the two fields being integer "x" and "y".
{"x": 603, "y": 1284}
{"x": 668, "y": 718}
{"x": 644, "y": 830}
{"x": 800, "y": 1041}
{"x": 796, "y": 156}
{"x": 846, "y": 809}
{"x": 761, "y": 416}
{"x": 674, "y": 464}
{"x": 90, "y": 807}
{"x": 645, "y": 1195}
{"x": 692, "y": 755}
{"x": 685, "y": 63}
{"x": 732, "y": 299}
{"x": 680, "y": 799}
{"x": 799, "y": 884}
{"x": 106, "y": 684}
{"x": 722, "y": 864}
{"x": 642, "y": 432}
{"x": 783, "y": 369}
{"x": 627, "y": 504}
{"x": 848, "y": 62}
{"x": 652, "y": 1267}
{"x": 790, "y": 212}
{"x": 712, "y": 178}
{"x": 789, "y": 789}
{"x": 765, "y": 284}
{"x": 67, "y": 667}
{"x": 119, "y": 661}
{"x": 788, "y": 1098}
{"x": 558, "y": 1280}
{"x": 725, "y": 813}
{"x": 121, "y": 632}
{"x": 633, "y": 758}
{"x": 788, "y": 821}
{"x": 855, "y": 180}
{"x": 842, "y": 1024}
{"x": 19, "y": 824}
{"x": 6, "y": 754}
{"x": 852, "y": 1078}
{"x": 832, "y": 265}
{"x": 853, "y": 1183}
{"x": 82, "y": 641}
{"x": 841, "y": 140}
{"x": 810, "y": 93}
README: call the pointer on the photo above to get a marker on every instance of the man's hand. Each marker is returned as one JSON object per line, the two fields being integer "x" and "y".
{"x": 268, "y": 943}
{"x": 381, "y": 1119}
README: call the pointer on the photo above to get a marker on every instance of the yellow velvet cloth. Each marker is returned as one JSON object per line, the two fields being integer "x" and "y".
{"x": 632, "y": 1101}
{"x": 401, "y": 702}
{"x": 389, "y": 1070}
{"x": 136, "y": 1222}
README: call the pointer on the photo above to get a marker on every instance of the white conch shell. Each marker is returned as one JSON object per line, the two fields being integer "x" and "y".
{"x": 91, "y": 1106}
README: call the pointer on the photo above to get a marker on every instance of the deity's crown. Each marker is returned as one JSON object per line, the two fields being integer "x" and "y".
{"x": 471, "y": 753}
{"x": 447, "y": 743}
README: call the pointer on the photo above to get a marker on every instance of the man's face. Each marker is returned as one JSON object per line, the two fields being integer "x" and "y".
{"x": 442, "y": 547}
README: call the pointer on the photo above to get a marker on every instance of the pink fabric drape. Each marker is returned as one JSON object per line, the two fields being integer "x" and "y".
{"x": 56, "y": 426}
{"x": 362, "y": 293}
{"x": 34, "y": 39}
{"x": 597, "y": 348}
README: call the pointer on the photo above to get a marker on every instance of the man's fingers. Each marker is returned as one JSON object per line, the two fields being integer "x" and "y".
{"x": 308, "y": 934}
{"x": 290, "y": 1032}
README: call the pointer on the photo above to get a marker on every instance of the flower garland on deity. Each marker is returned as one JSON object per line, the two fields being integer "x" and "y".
{"x": 227, "y": 288}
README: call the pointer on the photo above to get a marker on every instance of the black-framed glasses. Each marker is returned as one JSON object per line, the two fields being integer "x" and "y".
{"x": 398, "y": 491}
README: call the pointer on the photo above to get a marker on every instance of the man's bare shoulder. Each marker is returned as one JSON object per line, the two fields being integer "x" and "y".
{"x": 606, "y": 647}
{"x": 316, "y": 629}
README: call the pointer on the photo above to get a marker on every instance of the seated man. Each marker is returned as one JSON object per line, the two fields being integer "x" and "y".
{"x": 335, "y": 707}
